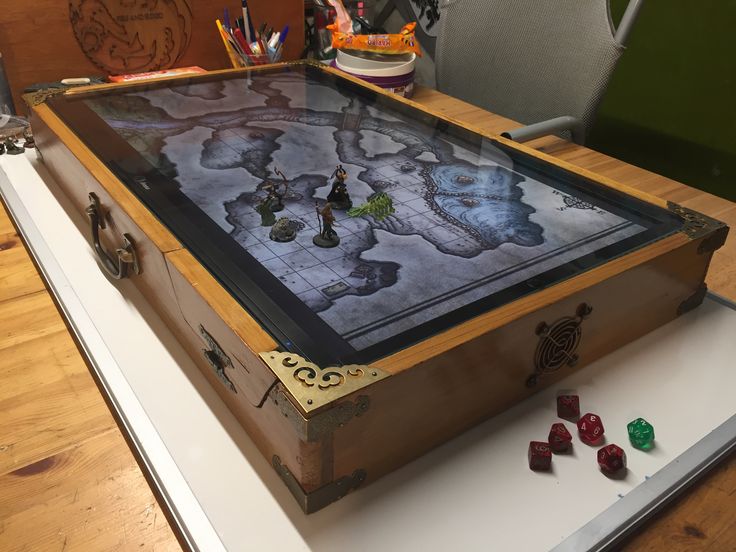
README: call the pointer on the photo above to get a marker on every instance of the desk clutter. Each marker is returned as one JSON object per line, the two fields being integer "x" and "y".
{"x": 247, "y": 44}
{"x": 368, "y": 53}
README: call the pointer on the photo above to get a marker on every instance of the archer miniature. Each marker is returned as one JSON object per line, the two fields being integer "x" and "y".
{"x": 338, "y": 195}
{"x": 275, "y": 193}
{"x": 327, "y": 237}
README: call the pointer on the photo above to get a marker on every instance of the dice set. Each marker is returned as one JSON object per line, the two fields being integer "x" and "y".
{"x": 590, "y": 429}
{"x": 611, "y": 458}
{"x": 540, "y": 456}
{"x": 641, "y": 434}
{"x": 559, "y": 438}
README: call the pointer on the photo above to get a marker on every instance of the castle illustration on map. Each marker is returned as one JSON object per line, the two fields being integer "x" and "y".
{"x": 466, "y": 225}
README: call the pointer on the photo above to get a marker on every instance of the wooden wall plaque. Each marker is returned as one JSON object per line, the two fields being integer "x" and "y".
{"x": 129, "y": 36}
{"x": 48, "y": 40}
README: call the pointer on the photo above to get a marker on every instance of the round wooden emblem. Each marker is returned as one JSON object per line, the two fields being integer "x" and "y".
{"x": 130, "y": 36}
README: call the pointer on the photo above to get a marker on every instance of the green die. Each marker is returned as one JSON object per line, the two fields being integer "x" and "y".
{"x": 641, "y": 434}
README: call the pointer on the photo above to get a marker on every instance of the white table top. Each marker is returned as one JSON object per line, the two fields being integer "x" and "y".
{"x": 474, "y": 492}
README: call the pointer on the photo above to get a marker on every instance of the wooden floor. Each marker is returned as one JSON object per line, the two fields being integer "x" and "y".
{"x": 68, "y": 480}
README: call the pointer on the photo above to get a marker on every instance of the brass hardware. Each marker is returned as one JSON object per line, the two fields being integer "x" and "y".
{"x": 324, "y": 496}
{"x": 125, "y": 254}
{"x": 697, "y": 225}
{"x": 313, "y": 387}
{"x": 217, "y": 358}
{"x": 322, "y": 424}
{"x": 694, "y": 300}
{"x": 38, "y": 97}
{"x": 558, "y": 344}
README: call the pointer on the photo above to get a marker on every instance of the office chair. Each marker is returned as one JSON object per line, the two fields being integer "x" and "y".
{"x": 544, "y": 63}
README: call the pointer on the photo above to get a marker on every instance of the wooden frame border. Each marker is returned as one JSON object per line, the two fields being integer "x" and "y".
{"x": 231, "y": 311}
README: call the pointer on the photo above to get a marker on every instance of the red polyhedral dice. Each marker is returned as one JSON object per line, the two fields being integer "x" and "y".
{"x": 611, "y": 458}
{"x": 559, "y": 438}
{"x": 590, "y": 429}
{"x": 568, "y": 406}
{"x": 540, "y": 455}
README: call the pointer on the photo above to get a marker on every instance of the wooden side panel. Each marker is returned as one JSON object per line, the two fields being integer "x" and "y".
{"x": 255, "y": 395}
{"x": 225, "y": 321}
{"x": 419, "y": 408}
{"x": 76, "y": 181}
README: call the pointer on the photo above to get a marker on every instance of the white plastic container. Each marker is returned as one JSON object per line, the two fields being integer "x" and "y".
{"x": 394, "y": 73}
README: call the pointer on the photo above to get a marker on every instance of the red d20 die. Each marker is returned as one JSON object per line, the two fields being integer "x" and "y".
{"x": 568, "y": 406}
{"x": 590, "y": 429}
{"x": 559, "y": 438}
{"x": 540, "y": 455}
{"x": 612, "y": 458}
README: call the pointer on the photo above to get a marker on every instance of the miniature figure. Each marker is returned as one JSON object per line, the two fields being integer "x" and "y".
{"x": 283, "y": 230}
{"x": 29, "y": 141}
{"x": 338, "y": 196}
{"x": 379, "y": 206}
{"x": 277, "y": 203}
{"x": 273, "y": 202}
{"x": 327, "y": 237}
{"x": 11, "y": 148}
{"x": 274, "y": 192}
{"x": 265, "y": 209}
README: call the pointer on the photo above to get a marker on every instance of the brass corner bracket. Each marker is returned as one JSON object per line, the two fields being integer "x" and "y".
{"x": 697, "y": 225}
{"x": 324, "y": 496}
{"x": 38, "y": 97}
{"x": 313, "y": 387}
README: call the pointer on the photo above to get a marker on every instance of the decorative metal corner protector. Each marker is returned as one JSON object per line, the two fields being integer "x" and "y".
{"x": 694, "y": 300}
{"x": 324, "y": 423}
{"x": 324, "y": 496}
{"x": 313, "y": 387}
{"x": 37, "y": 97}
{"x": 697, "y": 225}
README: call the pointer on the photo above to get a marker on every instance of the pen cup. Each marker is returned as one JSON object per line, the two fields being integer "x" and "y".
{"x": 262, "y": 59}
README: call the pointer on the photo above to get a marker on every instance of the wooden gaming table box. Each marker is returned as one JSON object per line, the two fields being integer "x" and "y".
{"x": 500, "y": 271}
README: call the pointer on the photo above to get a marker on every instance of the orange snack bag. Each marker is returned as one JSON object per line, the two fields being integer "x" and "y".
{"x": 403, "y": 43}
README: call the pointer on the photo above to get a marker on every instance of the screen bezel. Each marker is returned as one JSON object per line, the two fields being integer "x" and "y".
{"x": 279, "y": 311}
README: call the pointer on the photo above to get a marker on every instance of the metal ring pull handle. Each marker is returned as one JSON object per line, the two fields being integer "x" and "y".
{"x": 125, "y": 255}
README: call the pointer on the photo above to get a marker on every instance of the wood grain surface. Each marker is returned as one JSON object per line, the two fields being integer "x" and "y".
{"x": 67, "y": 478}
{"x": 38, "y": 42}
{"x": 704, "y": 518}
{"x": 69, "y": 482}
